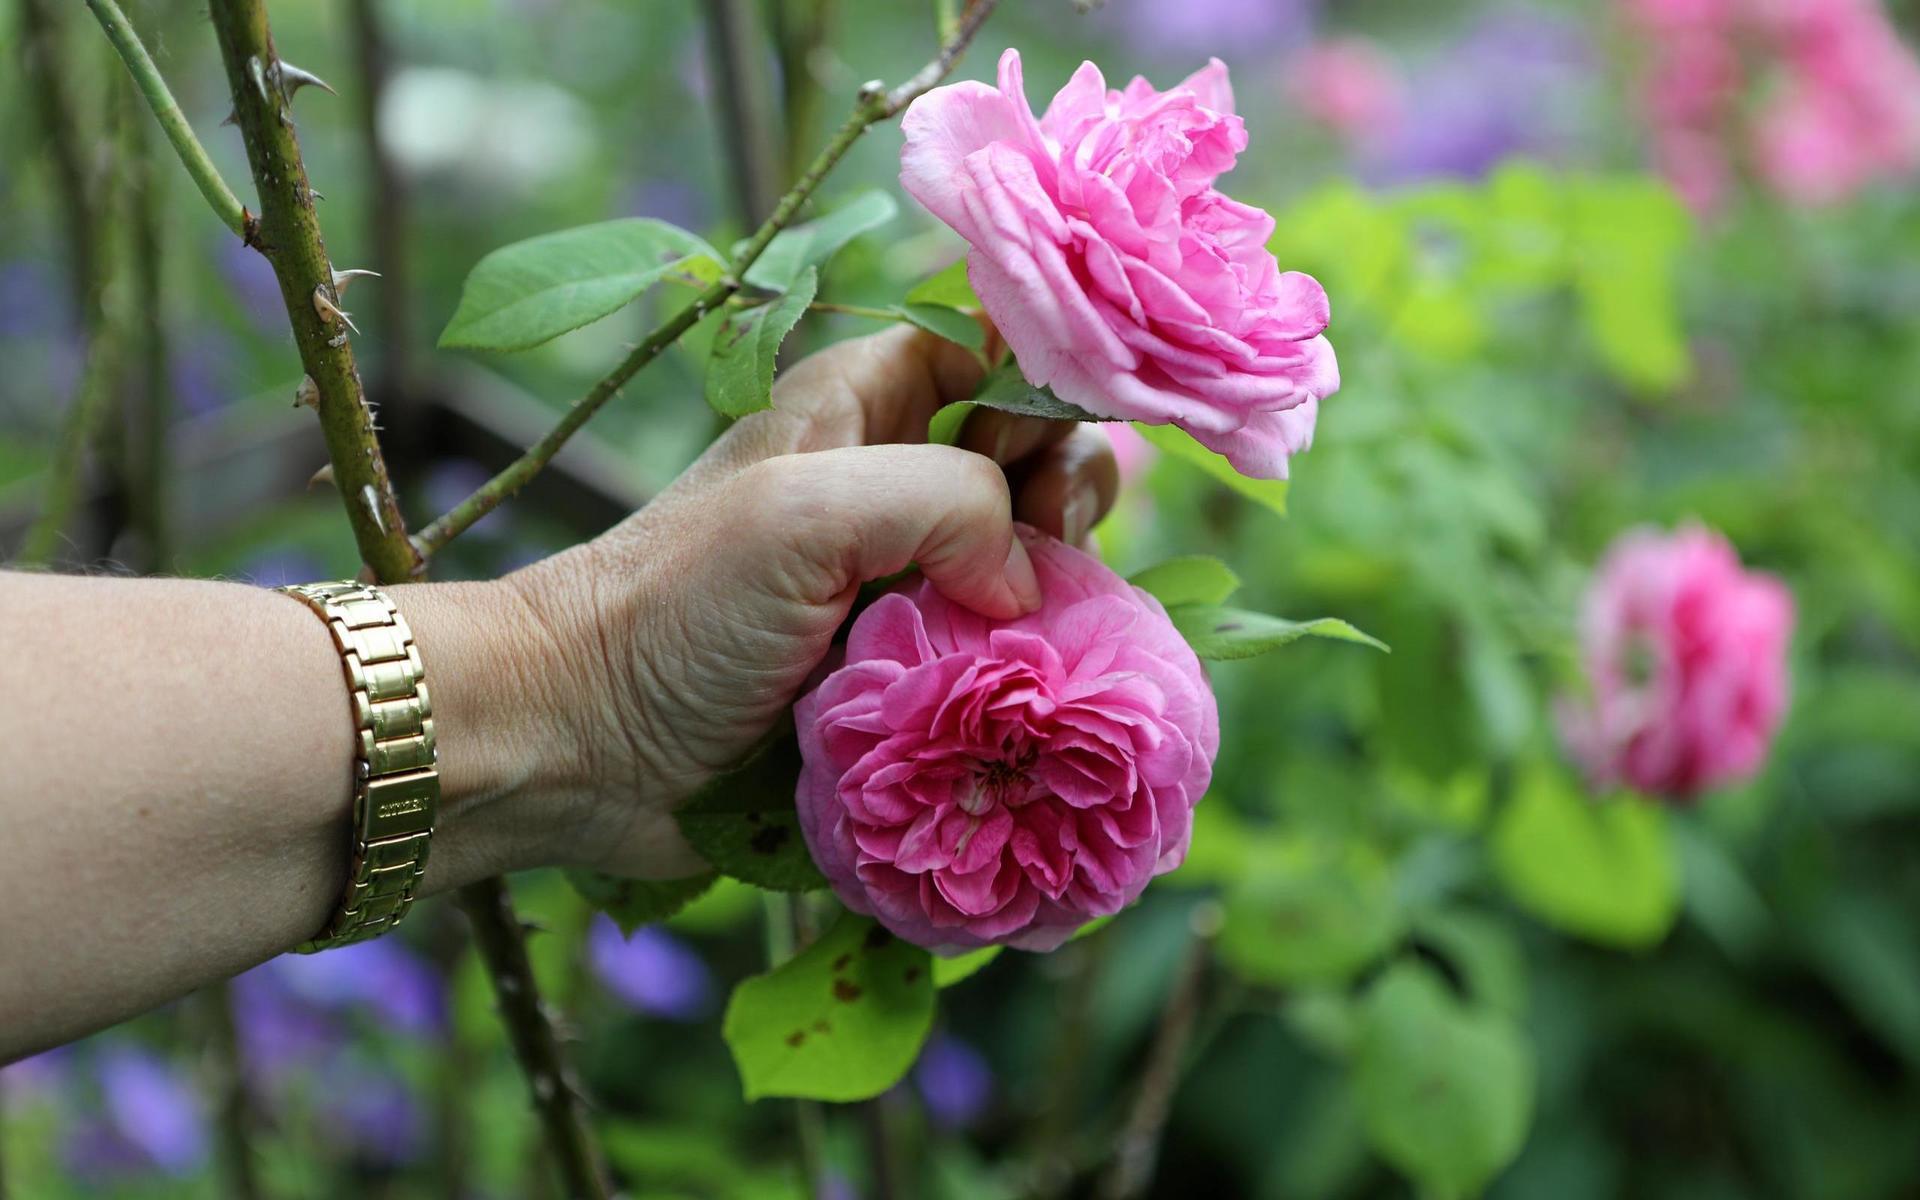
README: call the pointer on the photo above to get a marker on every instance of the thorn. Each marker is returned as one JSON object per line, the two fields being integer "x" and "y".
{"x": 259, "y": 73}
{"x": 529, "y": 927}
{"x": 372, "y": 502}
{"x": 872, "y": 90}
{"x": 293, "y": 78}
{"x": 344, "y": 279}
{"x": 331, "y": 312}
{"x": 323, "y": 475}
{"x": 232, "y": 118}
{"x": 308, "y": 393}
{"x": 314, "y": 192}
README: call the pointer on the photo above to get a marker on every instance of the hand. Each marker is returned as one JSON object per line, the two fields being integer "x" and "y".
{"x": 684, "y": 633}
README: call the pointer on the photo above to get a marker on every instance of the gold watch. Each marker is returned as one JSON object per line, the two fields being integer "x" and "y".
{"x": 396, "y": 785}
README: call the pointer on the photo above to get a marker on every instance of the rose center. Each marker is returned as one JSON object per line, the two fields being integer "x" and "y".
{"x": 999, "y": 782}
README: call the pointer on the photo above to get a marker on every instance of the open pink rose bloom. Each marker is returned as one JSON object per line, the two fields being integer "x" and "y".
{"x": 1686, "y": 655}
{"x": 1114, "y": 270}
{"x": 971, "y": 782}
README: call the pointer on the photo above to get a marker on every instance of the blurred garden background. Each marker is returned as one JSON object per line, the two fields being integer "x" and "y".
{"x": 1590, "y": 269}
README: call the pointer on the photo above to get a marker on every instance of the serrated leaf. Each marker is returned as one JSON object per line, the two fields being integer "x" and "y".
{"x": 533, "y": 291}
{"x": 740, "y": 369}
{"x": 841, "y": 1021}
{"x": 949, "y": 971}
{"x": 950, "y": 288}
{"x": 1446, "y": 1090}
{"x": 1218, "y": 633}
{"x": 743, "y": 821}
{"x": 944, "y": 428}
{"x": 1605, "y": 871}
{"x": 1007, "y": 389}
{"x": 1188, "y": 579}
{"x": 1176, "y": 443}
{"x": 794, "y": 250}
{"x": 636, "y": 902}
{"x": 949, "y": 323}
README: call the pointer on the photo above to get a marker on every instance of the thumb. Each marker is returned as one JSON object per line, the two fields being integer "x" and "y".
{"x": 832, "y": 520}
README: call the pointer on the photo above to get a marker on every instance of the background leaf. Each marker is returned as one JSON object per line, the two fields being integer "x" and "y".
{"x": 1007, "y": 389}
{"x": 949, "y": 971}
{"x": 1308, "y": 911}
{"x": 636, "y": 902}
{"x": 1188, "y": 579}
{"x": 740, "y": 371}
{"x": 1604, "y": 871}
{"x": 533, "y": 291}
{"x": 950, "y": 288}
{"x": 810, "y": 245}
{"x": 841, "y": 1021}
{"x": 1219, "y": 633}
{"x": 1446, "y": 1090}
{"x": 949, "y": 323}
{"x": 744, "y": 824}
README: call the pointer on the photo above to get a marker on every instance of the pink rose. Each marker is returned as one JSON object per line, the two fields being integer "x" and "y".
{"x": 1115, "y": 271}
{"x": 1686, "y": 656}
{"x": 1349, "y": 85}
{"x": 971, "y": 782}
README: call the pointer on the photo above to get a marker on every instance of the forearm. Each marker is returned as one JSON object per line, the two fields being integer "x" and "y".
{"x": 178, "y": 763}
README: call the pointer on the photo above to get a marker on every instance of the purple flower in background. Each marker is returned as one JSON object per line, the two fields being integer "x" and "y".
{"x": 1513, "y": 84}
{"x": 280, "y": 566}
{"x": 1177, "y": 30}
{"x": 278, "y": 1031}
{"x": 672, "y": 200}
{"x": 652, "y": 971}
{"x": 201, "y": 373}
{"x": 382, "y": 977}
{"x": 452, "y": 480}
{"x": 38, "y": 1078}
{"x": 373, "y": 1115}
{"x": 250, "y": 281}
{"x": 153, "y": 1117}
{"x": 954, "y": 1081}
{"x": 32, "y": 300}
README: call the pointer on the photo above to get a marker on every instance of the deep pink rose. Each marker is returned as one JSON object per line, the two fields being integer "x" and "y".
{"x": 1115, "y": 271}
{"x": 1686, "y": 656}
{"x": 1349, "y": 85}
{"x": 970, "y": 782}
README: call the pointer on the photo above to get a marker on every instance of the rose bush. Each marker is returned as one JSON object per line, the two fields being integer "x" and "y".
{"x": 1685, "y": 654}
{"x": 1116, "y": 272}
{"x": 972, "y": 782}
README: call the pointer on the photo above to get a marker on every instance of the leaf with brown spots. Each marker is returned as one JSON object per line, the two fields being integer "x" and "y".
{"x": 861, "y": 1005}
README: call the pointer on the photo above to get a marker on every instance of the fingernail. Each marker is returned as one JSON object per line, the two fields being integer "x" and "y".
{"x": 1076, "y": 519}
{"x": 1021, "y": 580}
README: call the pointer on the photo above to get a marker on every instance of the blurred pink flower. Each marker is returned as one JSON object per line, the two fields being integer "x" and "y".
{"x": 1843, "y": 108}
{"x": 1349, "y": 85}
{"x": 1685, "y": 654}
{"x": 1115, "y": 271}
{"x": 971, "y": 782}
{"x": 1131, "y": 452}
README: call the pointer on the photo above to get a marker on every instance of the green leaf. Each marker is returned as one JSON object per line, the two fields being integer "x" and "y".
{"x": 1308, "y": 911}
{"x": 1483, "y": 952}
{"x": 1188, "y": 579}
{"x": 794, "y": 250}
{"x": 636, "y": 902}
{"x": 949, "y": 971}
{"x": 744, "y": 824}
{"x": 944, "y": 428}
{"x": 533, "y": 291}
{"x": 1219, "y": 633}
{"x": 1446, "y": 1091}
{"x": 740, "y": 371}
{"x": 1176, "y": 443}
{"x": 1006, "y": 388}
{"x": 1604, "y": 871}
{"x": 841, "y": 1021}
{"x": 1627, "y": 235}
{"x": 950, "y": 288}
{"x": 949, "y": 323}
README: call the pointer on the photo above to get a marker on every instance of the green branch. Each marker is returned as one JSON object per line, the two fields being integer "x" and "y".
{"x": 874, "y": 104}
{"x": 192, "y": 154}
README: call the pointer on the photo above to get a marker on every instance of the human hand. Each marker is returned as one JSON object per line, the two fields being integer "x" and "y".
{"x": 685, "y": 632}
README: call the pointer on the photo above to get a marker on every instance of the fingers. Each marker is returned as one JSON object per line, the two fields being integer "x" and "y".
{"x": 865, "y": 391}
{"x": 1069, "y": 485}
{"x": 1006, "y": 438}
{"x": 829, "y": 521}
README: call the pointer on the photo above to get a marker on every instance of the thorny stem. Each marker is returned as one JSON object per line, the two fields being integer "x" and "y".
{"x": 1138, "y": 1147}
{"x": 873, "y": 105}
{"x": 823, "y": 306}
{"x": 744, "y": 105}
{"x": 503, "y": 947}
{"x": 213, "y": 1008}
{"x": 800, "y": 29}
{"x": 287, "y": 231}
{"x": 192, "y": 154}
{"x": 149, "y": 389}
{"x": 386, "y": 211}
{"x": 782, "y": 912}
